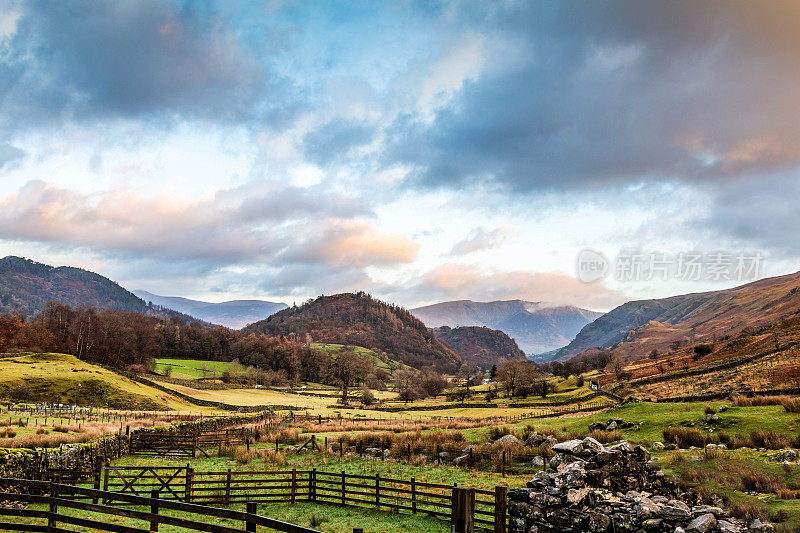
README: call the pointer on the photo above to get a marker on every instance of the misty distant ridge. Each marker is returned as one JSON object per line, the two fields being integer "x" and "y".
{"x": 234, "y": 314}
{"x": 537, "y": 327}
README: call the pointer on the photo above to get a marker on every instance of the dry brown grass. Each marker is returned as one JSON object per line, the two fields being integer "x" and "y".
{"x": 791, "y": 405}
{"x": 758, "y": 401}
{"x": 606, "y": 436}
{"x": 243, "y": 456}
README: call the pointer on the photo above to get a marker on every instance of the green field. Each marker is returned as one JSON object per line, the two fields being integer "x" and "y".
{"x": 196, "y": 368}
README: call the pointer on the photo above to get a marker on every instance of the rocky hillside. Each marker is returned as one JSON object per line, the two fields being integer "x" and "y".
{"x": 360, "y": 320}
{"x": 536, "y": 327}
{"x": 634, "y": 329}
{"x": 479, "y": 345}
{"x": 233, "y": 314}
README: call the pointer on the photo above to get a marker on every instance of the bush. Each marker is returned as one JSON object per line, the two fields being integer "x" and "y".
{"x": 710, "y": 410}
{"x": 758, "y": 401}
{"x": 367, "y": 397}
{"x": 686, "y": 437}
{"x": 606, "y": 436}
{"x": 497, "y": 432}
{"x": 791, "y": 405}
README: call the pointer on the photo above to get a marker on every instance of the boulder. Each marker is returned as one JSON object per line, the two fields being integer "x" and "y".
{"x": 571, "y": 447}
{"x": 702, "y": 524}
{"x": 657, "y": 445}
{"x": 509, "y": 440}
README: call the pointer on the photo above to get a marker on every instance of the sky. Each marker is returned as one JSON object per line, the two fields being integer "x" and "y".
{"x": 419, "y": 151}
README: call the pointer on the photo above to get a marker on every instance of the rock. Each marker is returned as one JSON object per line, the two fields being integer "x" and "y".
{"x": 591, "y": 444}
{"x": 657, "y": 445}
{"x": 461, "y": 460}
{"x": 570, "y": 447}
{"x": 712, "y": 418}
{"x": 509, "y": 440}
{"x": 537, "y": 462}
{"x": 698, "y": 510}
{"x": 674, "y": 510}
{"x": 599, "y": 522}
{"x": 722, "y": 408}
{"x": 597, "y": 426}
{"x": 783, "y": 455}
{"x": 702, "y": 524}
{"x": 611, "y": 426}
{"x": 728, "y": 527}
{"x": 576, "y": 496}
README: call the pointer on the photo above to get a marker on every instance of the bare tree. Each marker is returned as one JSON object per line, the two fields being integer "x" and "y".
{"x": 347, "y": 371}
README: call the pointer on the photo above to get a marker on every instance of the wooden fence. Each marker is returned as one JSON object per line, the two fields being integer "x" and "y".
{"x": 62, "y": 500}
{"x": 290, "y": 486}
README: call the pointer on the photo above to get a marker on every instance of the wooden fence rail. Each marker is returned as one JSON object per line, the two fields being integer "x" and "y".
{"x": 59, "y": 497}
{"x": 289, "y": 486}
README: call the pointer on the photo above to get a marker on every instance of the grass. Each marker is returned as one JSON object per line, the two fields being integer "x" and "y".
{"x": 196, "y": 368}
{"x": 65, "y": 379}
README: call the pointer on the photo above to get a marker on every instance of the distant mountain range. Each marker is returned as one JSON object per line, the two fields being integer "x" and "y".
{"x": 479, "y": 345}
{"x": 634, "y": 329}
{"x": 361, "y": 320}
{"x": 234, "y": 314}
{"x": 26, "y": 286}
{"x": 535, "y": 326}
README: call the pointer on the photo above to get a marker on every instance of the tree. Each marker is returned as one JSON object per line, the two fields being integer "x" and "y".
{"x": 516, "y": 375}
{"x": 347, "y": 371}
{"x": 654, "y": 355}
{"x": 493, "y": 372}
{"x": 405, "y": 384}
{"x": 431, "y": 383}
{"x": 618, "y": 367}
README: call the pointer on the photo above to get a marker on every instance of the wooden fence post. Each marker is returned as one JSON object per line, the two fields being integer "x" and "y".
{"x": 228, "y": 487}
{"x": 378, "y": 492}
{"x": 312, "y": 489}
{"x": 413, "y": 496}
{"x": 500, "y": 492}
{"x": 344, "y": 497}
{"x": 105, "y": 480}
{"x": 294, "y": 484}
{"x": 51, "y": 519}
{"x": 187, "y": 493}
{"x": 251, "y": 509}
{"x": 98, "y": 473}
{"x": 463, "y": 510}
{"x": 154, "y": 509}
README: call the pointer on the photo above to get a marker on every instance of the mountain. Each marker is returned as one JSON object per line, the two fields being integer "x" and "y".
{"x": 479, "y": 345}
{"x": 361, "y": 320}
{"x": 26, "y": 286}
{"x": 535, "y": 326}
{"x": 636, "y": 328}
{"x": 233, "y": 314}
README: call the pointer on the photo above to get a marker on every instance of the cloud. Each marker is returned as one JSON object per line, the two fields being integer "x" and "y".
{"x": 9, "y": 154}
{"x": 334, "y": 139}
{"x": 133, "y": 58}
{"x": 480, "y": 239}
{"x": 584, "y": 94}
{"x": 451, "y": 281}
{"x": 253, "y": 223}
{"x": 759, "y": 214}
{"x": 356, "y": 243}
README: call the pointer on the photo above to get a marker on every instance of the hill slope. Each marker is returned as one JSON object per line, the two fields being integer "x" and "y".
{"x": 536, "y": 327}
{"x": 26, "y": 286}
{"x": 636, "y": 328}
{"x": 479, "y": 345}
{"x": 234, "y": 314}
{"x": 359, "y": 319}
{"x": 59, "y": 378}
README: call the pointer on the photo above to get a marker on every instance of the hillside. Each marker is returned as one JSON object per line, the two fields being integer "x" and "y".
{"x": 26, "y": 286}
{"x": 60, "y": 378}
{"x": 359, "y": 319}
{"x": 234, "y": 314}
{"x": 479, "y": 345}
{"x": 634, "y": 329}
{"x": 536, "y": 327}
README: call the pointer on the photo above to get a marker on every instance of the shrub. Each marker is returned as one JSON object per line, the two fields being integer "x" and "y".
{"x": 710, "y": 410}
{"x": 497, "y": 432}
{"x": 791, "y": 405}
{"x": 686, "y": 437}
{"x": 758, "y": 401}
{"x": 606, "y": 436}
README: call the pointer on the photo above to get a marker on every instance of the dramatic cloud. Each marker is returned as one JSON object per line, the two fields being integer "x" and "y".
{"x": 452, "y": 281}
{"x": 584, "y": 93}
{"x": 130, "y": 58}
{"x": 9, "y": 154}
